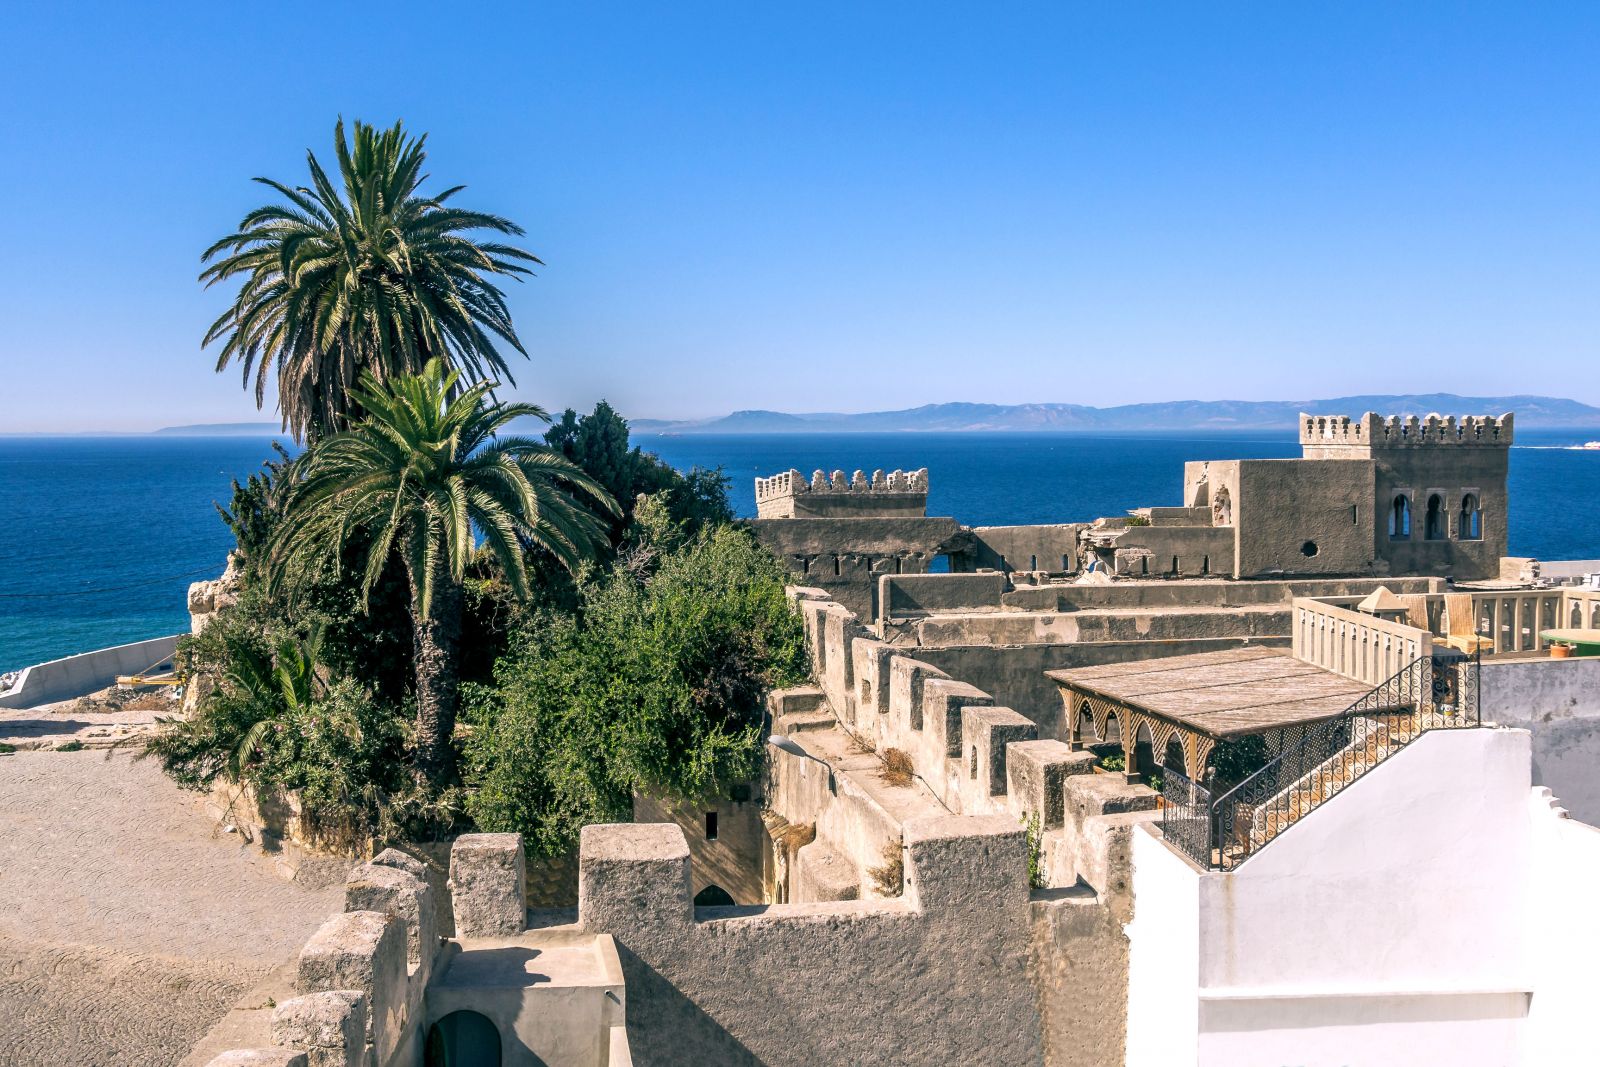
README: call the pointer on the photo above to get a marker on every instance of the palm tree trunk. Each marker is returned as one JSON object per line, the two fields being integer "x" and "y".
{"x": 436, "y": 643}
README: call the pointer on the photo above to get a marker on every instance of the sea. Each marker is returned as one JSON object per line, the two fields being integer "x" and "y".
{"x": 101, "y": 536}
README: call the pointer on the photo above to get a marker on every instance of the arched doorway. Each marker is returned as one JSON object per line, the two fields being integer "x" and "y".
{"x": 463, "y": 1039}
{"x": 712, "y": 896}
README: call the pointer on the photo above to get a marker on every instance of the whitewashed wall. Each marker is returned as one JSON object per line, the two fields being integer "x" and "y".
{"x": 1428, "y": 915}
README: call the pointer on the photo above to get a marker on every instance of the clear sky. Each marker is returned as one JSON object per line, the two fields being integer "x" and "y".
{"x": 843, "y": 207}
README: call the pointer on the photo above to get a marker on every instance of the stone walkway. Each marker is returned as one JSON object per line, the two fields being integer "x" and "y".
{"x": 129, "y": 924}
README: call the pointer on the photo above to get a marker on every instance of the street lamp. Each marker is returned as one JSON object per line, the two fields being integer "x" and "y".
{"x": 785, "y": 743}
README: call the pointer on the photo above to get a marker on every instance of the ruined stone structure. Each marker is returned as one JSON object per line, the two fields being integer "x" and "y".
{"x": 844, "y": 533}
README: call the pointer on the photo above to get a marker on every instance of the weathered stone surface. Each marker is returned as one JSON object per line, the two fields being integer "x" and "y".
{"x": 261, "y": 1057}
{"x": 487, "y": 872}
{"x": 365, "y": 951}
{"x": 393, "y": 857}
{"x": 330, "y": 1026}
{"x": 642, "y": 868}
{"x": 1035, "y": 771}
{"x": 392, "y": 891}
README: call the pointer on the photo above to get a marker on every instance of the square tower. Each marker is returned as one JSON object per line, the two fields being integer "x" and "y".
{"x": 1439, "y": 500}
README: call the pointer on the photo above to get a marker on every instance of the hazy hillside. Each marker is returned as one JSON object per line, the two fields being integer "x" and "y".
{"x": 1531, "y": 411}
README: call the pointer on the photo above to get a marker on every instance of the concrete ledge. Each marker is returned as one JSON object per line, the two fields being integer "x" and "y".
{"x": 261, "y": 1057}
{"x": 76, "y": 676}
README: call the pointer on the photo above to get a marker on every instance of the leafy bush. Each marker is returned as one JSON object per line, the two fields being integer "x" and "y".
{"x": 656, "y": 684}
{"x": 274, "y": 725}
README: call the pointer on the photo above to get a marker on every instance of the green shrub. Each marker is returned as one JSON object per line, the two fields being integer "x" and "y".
{"x": 657, "y": 684}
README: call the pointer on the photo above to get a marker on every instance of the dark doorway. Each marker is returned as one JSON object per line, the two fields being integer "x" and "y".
{"x": 463, "y": 1039}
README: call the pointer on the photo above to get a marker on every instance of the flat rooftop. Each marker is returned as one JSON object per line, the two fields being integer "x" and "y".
{"x": 1222, "y": 694}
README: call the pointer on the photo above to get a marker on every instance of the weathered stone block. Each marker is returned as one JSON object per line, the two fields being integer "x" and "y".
{"x": 260, "y": 1057}
{"x": 1085, "y": 796}
{"x": 820, "y": 873}
{"x": 986, "y": 732}
{"x": 1035, "y": 773}
{"x": 907, "y": 677}
{"x": 487, "y": 873}
{"x": 393, "y": 857}
{"x": 942, "y": 702}
{"x": 364, "y": 951}
{"x": 331, "y": 1027}
{"x": 966, "y": 862}
{"x": 633, "y": 875}
{"x": 392, "y": 891}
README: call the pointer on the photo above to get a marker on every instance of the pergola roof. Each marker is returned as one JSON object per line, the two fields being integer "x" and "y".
{"x": 1221, "y": 694}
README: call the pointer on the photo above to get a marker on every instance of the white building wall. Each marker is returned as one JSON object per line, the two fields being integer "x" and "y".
{"x": 1396, "y": 924}
{"x": 1565, "y": 940}
{"x": 1163, "y": 956}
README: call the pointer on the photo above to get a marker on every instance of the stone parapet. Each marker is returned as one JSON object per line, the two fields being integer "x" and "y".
{"x": 1405, "y": 431}
{"x": 792, "y": 495}
{"x": 487, "y": 874}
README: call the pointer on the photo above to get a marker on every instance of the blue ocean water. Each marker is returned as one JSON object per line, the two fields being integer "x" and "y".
{"x": 102, "y": 535}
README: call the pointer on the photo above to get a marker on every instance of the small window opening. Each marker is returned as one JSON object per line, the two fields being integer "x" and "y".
{"x": 805, "y": 564}
{"x": 1433, "y": 524}
{"x": 1470, "y": 525}
{"x": 1066, "y": 562}
{"x": 1205, "y": 564}
{"x": 1174, "y": 564}
{"x": 1308, "y": 549}
{"x": 711, "y": 826}
{"x": 1400, "y": 518}
{"x": 1144, "y": 564}
{"x": 836, "y": 566}
{"x": 974, "y": 772}
{"x": 1355, "y": 515}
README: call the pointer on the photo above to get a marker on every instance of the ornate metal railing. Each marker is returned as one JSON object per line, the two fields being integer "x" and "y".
{"x": 1186, "y": 815}
{"x": 1316, "y": 762}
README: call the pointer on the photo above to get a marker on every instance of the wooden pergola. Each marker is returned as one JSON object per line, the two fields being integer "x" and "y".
{"x": 1199, "y": 700}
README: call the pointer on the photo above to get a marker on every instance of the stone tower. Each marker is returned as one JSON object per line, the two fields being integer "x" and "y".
{"x": 1439, "y": 501}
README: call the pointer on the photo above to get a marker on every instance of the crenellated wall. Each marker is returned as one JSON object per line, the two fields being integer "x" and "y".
{"x": 789, "y": 495}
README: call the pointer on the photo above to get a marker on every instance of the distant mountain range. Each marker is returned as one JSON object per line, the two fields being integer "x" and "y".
{"x": 223, "y": 429}
{"x": 1531, "y": 411}
{"x": 1543, "y": 412}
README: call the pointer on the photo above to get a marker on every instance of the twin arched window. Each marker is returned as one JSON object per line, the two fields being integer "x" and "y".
{"x": 1436, "y": 520}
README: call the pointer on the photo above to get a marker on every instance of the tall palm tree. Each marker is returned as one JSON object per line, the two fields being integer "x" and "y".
{"x": 415, "y": 476}
{"x": 364, "y": 276}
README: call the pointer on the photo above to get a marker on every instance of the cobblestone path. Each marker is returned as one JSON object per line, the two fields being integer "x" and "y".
{"x": 128, "y": 923}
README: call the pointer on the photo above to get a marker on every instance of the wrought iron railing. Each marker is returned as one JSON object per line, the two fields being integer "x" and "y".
{"x": 1316, "y": 762}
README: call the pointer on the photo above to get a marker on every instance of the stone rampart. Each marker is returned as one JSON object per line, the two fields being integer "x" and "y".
{"x": 953, "y": 955}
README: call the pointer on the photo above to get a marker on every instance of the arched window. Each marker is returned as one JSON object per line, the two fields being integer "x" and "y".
{"x": 1400, "y": 518}
{"x": 712, "y": 896}
{"x": 1173, "y": 759}
{"x": 1470, "y": 526}
{"x": 1433, "y": 526}
{"x": 462, "y": 1037}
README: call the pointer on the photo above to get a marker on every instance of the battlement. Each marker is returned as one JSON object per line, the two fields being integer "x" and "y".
{"x": 897, "y": 494}
{"x": 1372, "y": 430}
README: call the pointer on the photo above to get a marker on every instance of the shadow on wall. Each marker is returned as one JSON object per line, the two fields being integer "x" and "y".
{"x": 656, "y": 1007}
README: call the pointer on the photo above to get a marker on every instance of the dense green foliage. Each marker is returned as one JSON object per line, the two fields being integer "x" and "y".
{"x": 361, "y": 275}
{"x": 273, "y": 724}
{"x": 415, "y": 478}
{"x": 655, "y": 684}
{"x": 613, "y": 628}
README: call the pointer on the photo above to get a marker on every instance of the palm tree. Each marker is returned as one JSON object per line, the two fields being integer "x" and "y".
{"x": 371, "y": 277}
{"x": 414, "y": 477}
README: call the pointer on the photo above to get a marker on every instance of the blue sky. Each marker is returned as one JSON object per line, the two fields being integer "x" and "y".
{"x": 844, "y": 207}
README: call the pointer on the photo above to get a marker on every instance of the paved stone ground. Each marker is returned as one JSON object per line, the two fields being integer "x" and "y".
{"x": 129, "y": 924}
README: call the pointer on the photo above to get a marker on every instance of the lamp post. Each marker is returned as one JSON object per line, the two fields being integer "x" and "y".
{"x": 785, "y": 743}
